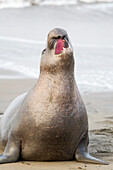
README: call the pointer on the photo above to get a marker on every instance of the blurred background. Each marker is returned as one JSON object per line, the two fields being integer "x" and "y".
{"x": 24, "y": 25}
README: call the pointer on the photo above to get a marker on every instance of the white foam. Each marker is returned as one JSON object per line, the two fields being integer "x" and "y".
{"x": 25, "y": 72}
{"x": 14, "y": 5}
{"x": 28, "y": 3}
{"x": 71, "y": 2}
{"x": 58, "y": 2}
{"x": 21, "y": 40}
{"x": 95, "y": 1}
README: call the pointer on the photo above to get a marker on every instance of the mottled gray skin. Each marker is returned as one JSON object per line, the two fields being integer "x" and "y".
{"x": 50, "y": 123}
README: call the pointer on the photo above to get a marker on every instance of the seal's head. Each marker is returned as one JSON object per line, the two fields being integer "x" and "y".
{"x": 58, "y": 54}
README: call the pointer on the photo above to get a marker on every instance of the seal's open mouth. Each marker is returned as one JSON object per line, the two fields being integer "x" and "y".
{"x": 61, "y": 45}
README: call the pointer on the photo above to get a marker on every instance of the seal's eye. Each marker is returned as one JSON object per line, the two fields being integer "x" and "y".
{"x": 43, "y": 51}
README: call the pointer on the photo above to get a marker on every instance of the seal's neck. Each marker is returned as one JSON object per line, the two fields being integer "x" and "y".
{"x": 62, "y": 67}
{"x": 62, "y": 74}
{"x": 61, "y": 79}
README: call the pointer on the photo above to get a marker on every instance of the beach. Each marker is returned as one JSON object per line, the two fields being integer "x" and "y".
{"x": 23, "y": 34}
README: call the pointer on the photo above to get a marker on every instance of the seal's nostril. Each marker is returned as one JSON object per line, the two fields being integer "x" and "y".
{"x": 64, "y": 37}
{"x": 59, "y": 37}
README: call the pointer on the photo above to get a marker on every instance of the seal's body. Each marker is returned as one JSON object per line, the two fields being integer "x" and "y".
{"x": 51, "y": 127}
{"x": 50, "y": 121}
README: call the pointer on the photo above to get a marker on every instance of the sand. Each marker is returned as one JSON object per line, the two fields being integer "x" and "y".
{"x": 100, "y": 114}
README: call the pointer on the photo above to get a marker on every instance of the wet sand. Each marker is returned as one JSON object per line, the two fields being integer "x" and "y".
{"x": 68, "y": 165}
{"x": 100, "y": 114}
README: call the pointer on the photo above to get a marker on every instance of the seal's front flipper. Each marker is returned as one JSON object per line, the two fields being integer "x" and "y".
{"x": 82, "y": 155}
{"x": 11, "y": 153}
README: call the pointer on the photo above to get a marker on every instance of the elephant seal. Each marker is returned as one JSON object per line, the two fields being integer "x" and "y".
{"x": 50, "y": 121}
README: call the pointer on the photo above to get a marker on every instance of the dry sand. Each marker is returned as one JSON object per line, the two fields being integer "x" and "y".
{"x": 100, "y": 113}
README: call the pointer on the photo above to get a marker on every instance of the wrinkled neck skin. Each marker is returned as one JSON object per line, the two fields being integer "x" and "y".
{"x": 62, "y": 64}
{"x": 56, "y": 78}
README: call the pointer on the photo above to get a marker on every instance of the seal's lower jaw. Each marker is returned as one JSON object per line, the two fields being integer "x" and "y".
{"x": 66, "y": 50}
{"x": 62, "y": 47}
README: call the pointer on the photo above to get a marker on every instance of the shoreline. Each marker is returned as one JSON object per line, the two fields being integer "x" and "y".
{"x": 12, "y": 87}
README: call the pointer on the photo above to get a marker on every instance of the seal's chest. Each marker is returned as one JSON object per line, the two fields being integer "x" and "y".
{"x": 52, "y": 100}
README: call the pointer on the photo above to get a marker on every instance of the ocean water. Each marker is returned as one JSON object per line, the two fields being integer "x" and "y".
{"x": 21, "y": 56}
{"x": 93, "y": 64}
{"x": 22, "y": 38}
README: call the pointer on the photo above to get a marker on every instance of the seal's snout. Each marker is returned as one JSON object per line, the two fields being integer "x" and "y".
{"x": 58, "y": 41}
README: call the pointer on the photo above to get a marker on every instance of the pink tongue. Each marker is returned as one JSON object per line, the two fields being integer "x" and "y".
{"x": 59, "y": 47}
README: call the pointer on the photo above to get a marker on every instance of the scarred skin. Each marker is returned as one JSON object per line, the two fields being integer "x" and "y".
{"x": 51, "y": 120}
